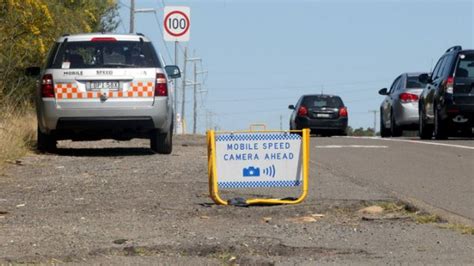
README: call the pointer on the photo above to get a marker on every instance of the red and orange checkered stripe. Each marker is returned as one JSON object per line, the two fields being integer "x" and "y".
{"x": 137, "y": 90}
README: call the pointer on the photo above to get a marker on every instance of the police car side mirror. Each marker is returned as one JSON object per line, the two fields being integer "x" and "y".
{"x": 291, "y": 106}
{"x": 173, "y": 71}
{"x": 32, "y": 71}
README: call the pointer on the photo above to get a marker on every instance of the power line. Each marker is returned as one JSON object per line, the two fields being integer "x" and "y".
{"x": 299, "y": 87}
{"x": 125, "y": 5}
{"x": 161, "y": 37}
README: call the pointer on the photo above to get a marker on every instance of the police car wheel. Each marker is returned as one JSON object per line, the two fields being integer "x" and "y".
{"x": 45, "y": 142}
{"x": 161, "y": 143}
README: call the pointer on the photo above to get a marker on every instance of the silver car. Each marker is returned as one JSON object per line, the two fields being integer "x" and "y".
{"x": 399, "y": 110}
{"x": 97, "y": 86}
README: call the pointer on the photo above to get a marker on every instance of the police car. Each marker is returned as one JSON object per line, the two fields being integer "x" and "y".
{"x": 98, "y": 86}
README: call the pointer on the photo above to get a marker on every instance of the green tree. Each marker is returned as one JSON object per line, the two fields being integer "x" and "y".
{"x": 29, "y": 27}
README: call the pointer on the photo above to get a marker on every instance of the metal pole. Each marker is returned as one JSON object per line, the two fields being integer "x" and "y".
{"x": 132, "y": 16}
{"x": 183, "y": 86}
{"x": 281, "y": 122}
{"x": 375, "y": 120}
{"x": 195, "y": 99}
{"x": 175, "y": 82}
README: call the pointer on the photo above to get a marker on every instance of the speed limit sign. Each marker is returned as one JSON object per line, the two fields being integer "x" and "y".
{"x": 176, "y": 23}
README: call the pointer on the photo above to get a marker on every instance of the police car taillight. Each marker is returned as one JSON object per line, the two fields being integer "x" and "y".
{"x": 161, "y": 86}
{"x": 47, "y": 87}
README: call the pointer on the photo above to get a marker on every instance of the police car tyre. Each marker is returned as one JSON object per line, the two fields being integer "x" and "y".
{"x": 161, "y": 143}
{"x": 45, "y": 142}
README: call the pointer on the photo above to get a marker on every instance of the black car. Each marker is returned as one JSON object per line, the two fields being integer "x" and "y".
{"x": 323, "y": 114}
{"x": 446, "y": 105}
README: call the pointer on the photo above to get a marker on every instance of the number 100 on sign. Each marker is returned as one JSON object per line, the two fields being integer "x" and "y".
{"x": 176, "y": 23}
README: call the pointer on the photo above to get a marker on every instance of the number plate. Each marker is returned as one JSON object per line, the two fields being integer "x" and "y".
{"x": 102, "y": 85}
{"x": 323, "y": 115}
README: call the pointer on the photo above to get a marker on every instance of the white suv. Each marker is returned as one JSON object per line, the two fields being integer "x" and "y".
{"x": 97, "y": 86}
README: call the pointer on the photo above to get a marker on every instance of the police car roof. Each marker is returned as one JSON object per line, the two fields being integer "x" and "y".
{"x": 89, "y": 36}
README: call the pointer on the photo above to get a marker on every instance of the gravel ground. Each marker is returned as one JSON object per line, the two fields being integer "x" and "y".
{"x": 117, "y": 203}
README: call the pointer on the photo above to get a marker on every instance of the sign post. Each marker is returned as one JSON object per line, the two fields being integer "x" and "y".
{"x": 176, "y": 25}
{"x": 258, "y": 159}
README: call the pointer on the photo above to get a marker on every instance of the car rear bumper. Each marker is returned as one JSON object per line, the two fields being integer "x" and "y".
{"x": 339, "y": 124}
{"x": 453, "y": 111}
{"x": 50, "y": 117}
{"x": 406, "y": 114}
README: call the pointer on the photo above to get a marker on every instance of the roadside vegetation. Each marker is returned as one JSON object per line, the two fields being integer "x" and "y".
{"x": 27, "y": 30}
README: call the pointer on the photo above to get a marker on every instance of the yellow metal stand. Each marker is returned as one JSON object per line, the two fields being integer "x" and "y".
{"x": 212, "y": 169}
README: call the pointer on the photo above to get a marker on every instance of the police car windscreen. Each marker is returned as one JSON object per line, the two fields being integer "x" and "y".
{"x": 322, "y": 101}
{"x": 120, "y": 54}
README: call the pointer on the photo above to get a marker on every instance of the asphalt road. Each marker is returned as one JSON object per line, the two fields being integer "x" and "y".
{"x": 113, "y": 202}
{"x": 438, "y": 173}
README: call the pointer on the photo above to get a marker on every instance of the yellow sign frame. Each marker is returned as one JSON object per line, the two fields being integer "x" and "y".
{"x": 212, "y": 169}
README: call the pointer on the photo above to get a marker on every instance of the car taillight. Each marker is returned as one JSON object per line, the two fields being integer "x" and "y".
{"x": 47, "y": 87}
{"x": 161, "y": 86}
{"x": 408, "y": 97}
{"x": 302, "y": 111}
{"x": 449, "y": 85}
{"x": 343, "y": 112}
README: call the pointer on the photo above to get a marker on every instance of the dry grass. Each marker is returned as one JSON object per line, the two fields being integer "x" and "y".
{"x": 17, "y": 132}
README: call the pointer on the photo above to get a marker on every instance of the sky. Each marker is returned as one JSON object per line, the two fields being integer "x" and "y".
{"x": 261, "y": 56}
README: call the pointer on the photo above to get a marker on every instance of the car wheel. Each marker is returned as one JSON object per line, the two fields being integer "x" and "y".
{"x": 440, "y": 127}
{"x": 384, "y": 132}
{"x": 45, "y": 142}
{"x": 396, "y": 130}
{"x": 425, "y": 130}
{"x": 161, "y": 143}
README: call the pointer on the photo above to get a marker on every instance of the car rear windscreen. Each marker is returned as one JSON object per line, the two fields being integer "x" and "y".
{"x": 413, "y": 83}
{"x": 119, "y": 54}
{"x": 323, "y": 101}
{"x": 465, "y": 68}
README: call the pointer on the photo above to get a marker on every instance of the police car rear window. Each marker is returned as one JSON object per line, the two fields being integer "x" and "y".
{"x": 120, "y": 54}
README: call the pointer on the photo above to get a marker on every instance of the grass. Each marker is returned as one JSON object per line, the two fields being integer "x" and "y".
{"x": 17, "y": 132}
{"x": 464, "y": 229}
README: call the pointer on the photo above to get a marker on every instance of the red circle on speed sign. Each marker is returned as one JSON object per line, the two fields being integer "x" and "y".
{"x": 169, "y": 30}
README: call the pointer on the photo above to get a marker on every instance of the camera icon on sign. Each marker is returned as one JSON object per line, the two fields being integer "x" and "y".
{"x": 251, "y": 171}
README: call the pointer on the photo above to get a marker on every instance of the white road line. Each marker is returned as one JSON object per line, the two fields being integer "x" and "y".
{"x": 417, "y": 141}
{"x": 351, "y": 146}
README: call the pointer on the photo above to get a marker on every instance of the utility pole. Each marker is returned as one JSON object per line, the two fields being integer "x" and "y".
{"x": 375, "y": 120}
{"x": 281, "y": 122}
{"x": 183, "y": 86}
{"x": 194, "y": 83}
{"x": 175, "y": 82}
{"x": 194, "y": 98}
{"x": 132, "y": 16}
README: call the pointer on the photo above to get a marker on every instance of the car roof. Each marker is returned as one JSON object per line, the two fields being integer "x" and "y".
{"x": 89, "y": 36}
{"x": 320, "y": 94}
{"x": 414, "y": 74}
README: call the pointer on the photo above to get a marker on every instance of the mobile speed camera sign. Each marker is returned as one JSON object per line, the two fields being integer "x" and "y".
{"x": 176, "y": 23}
{"x": 249, "y": 160}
